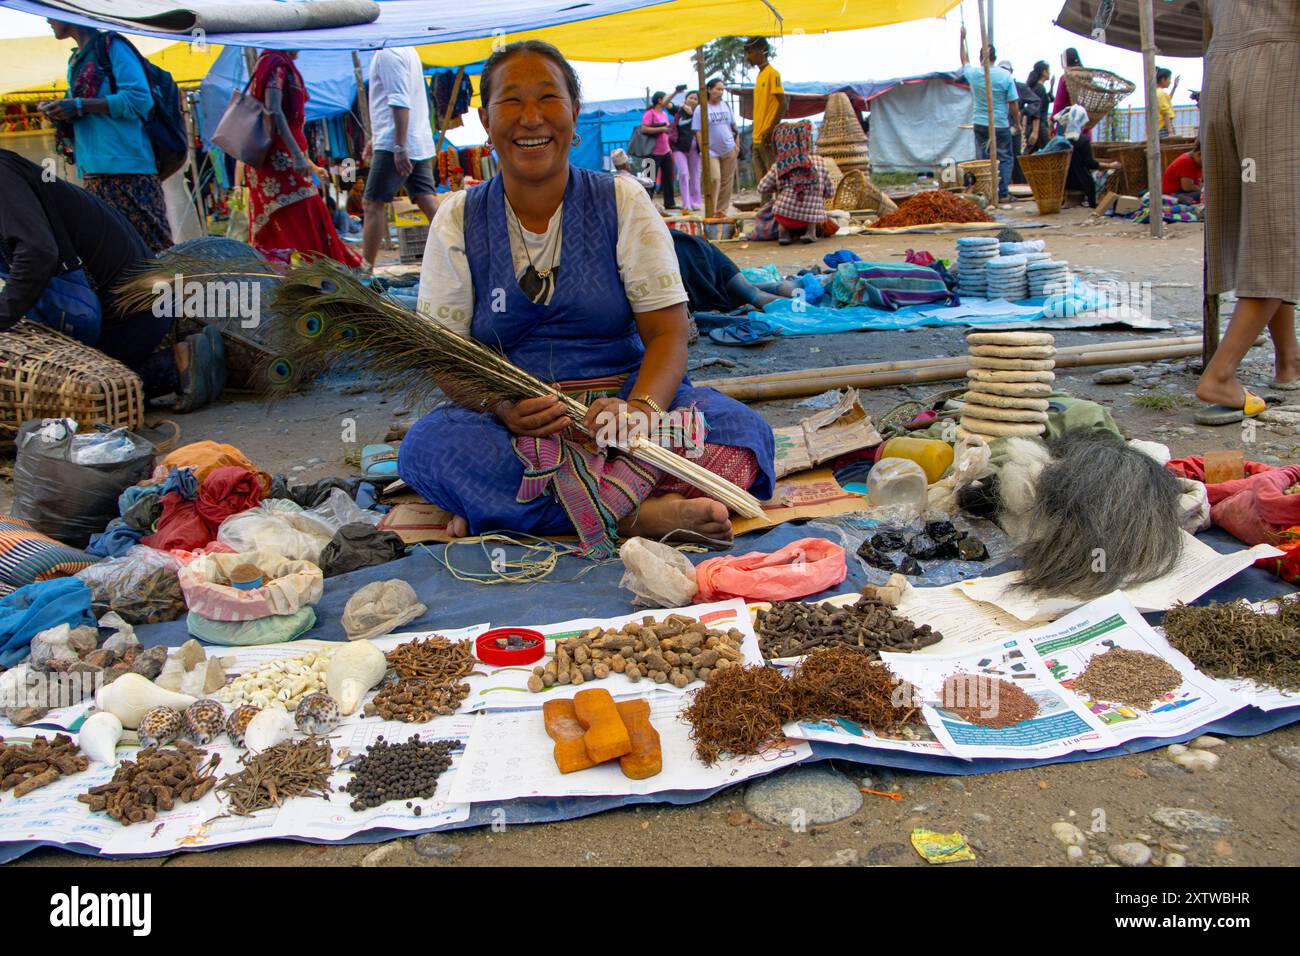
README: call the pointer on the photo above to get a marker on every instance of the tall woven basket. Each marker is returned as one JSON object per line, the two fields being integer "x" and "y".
{"x": 1097, "y": 91}
{"x": 841, "y": 137}
{"x": 1046, "y": 174}
{"x": 45, "y": 374}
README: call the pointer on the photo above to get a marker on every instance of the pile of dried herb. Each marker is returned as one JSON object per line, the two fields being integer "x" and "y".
{"x": 928, "y": 208}
{"x": 987, "y": 701}
{"x": 277, "y": 773}
{"x": 1235, "y": 640}
{"x": 428, "y": 685}
{"x": 1132, "y": 678}
{"x": 793, "y": 628}
{"x": 741, "y": 709}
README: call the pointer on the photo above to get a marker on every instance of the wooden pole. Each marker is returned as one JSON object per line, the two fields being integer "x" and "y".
{"x": 250, "y": 60}
{"x": 1146, "y": 12}
{"x": 1134, "y": 345}
{"x": 451, "y": 105}
{"x": 1209, "y": 300}
{"x": 363, "y": 101}
{"x": 988, "y": 96}
{"x": 816, "y": 381}
{"x": 706, "y": 171}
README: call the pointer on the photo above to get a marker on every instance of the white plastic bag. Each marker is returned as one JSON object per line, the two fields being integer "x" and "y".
{"x": 971, "y": 457}
{"x": 276, "y": 525}
{"x": 659, "y": 575}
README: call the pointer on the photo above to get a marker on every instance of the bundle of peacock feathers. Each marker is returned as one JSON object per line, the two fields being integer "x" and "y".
{"x": 330, "y": 318}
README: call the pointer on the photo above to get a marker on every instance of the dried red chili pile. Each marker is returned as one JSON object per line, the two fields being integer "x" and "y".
{"x": 987, "y": 701}
{"x": 934, "y": 206}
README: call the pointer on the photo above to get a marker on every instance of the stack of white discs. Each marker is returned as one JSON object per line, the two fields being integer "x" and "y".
{"x": 1032, "y": 257}
{"x": 1009, "y": 380}
{"x": 1007, "y": 278}
{"x": 1048, "y": 276}
{"x": 973, "y": 254}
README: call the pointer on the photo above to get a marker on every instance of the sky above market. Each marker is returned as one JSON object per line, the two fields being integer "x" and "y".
{"x": 1023, "y": 32}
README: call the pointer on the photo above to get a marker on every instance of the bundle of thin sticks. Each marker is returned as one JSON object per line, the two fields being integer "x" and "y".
{"x": 332, "y": 317}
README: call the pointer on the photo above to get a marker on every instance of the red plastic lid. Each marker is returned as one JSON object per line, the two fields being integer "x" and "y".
{"x": 491, "y": 652}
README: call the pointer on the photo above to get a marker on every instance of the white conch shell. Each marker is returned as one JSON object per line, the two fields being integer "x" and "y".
{"x": 99, "y": 736}
{"x": 354, "y": 669}
{"x": 268, "y": 728}
{"x": 131, "y": 696}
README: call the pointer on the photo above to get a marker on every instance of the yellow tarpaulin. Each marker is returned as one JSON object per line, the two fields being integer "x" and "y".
{"x": 37, "y": 67}
{"x": 672, "y": 27}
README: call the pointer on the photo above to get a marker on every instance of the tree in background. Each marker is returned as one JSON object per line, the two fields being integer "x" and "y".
{"x": 724, "y": 57}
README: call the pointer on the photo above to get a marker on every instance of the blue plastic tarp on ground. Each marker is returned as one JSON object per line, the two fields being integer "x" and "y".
{"x": 579, "y": 589}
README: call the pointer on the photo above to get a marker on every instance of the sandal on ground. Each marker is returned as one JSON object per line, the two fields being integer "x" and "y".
{"x": 746, "y": 333}
{"x": 1227, "y": 414}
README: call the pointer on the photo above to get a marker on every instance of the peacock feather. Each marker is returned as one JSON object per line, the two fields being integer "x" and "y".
{"x": 329, "y": 318}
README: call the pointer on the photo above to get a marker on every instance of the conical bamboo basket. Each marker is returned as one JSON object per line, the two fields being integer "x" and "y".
{"x": 1046, "y": 174}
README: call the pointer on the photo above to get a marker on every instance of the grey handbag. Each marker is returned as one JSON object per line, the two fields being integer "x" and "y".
{"x": 245, "y": 128}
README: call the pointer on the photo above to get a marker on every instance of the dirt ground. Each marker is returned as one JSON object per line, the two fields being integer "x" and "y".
{"x": 1007, "y": 816}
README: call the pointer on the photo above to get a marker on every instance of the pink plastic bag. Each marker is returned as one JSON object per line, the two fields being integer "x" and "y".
{"x": 797, "y": 570}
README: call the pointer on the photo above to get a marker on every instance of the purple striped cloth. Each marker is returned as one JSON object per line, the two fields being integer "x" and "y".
{"x": 889, "y": 286}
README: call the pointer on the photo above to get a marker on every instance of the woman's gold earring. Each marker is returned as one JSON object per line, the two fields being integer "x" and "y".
{"x": 577, "y": 139}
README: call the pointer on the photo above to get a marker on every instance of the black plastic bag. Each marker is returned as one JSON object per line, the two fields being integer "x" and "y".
{"x": 64, "y": 499}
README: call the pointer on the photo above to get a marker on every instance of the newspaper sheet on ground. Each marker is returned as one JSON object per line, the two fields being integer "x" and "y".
{"x": 1199, "y": 569}
{"x": 508, "y": 686}
{"x": 1061, "y": 726}
{"x": 510, "y": 755}
{"x": 915, "y": 738}
{"x": 1067, "y": 646}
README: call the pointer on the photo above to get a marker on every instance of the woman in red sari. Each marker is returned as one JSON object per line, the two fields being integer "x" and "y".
{"x": 287, "y": 212}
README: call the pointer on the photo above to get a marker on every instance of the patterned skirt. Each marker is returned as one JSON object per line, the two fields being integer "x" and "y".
{"x": 139, "y": 197}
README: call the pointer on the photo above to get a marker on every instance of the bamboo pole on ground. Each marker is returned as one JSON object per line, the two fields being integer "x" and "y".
{"x": 988, "y": 96}
{"x": 706, "y": 170}
{"x": 1146, "y": 12}
{"x": 816, "y": 381}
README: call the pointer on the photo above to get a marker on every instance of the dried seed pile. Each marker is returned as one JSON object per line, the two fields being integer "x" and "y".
{"x": 741, "y": 709}
{"x": 282, "y": 683}
{"x": 277, "y": 773}
{"x": 987, "y": 701}
{"x": 389, "y": 771}
{"x": 1235, "y": 640}
{"x": 791, "y": 629}
{"x": 676, "y": 650}
{"x": 428, "y": 684}
{"x": 154, "y": 781}
{"x": 1132, "y": 678}
{"x": 928, "y": 208}
{"x": 28, "y": 767}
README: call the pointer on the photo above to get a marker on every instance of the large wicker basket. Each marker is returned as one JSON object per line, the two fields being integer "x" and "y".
{"x": 982, "y": 170}
{"x": 1046, "y": 174}
{"x": 44, "y": 374}
{"x": 856, "y": 192}
{"x": 1097, "y": 91}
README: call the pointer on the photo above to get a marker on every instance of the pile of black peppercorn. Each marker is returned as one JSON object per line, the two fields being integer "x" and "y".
{"x": 391, "y": 771}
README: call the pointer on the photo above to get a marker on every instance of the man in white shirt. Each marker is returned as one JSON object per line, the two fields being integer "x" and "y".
{"x": 401, "y": 142}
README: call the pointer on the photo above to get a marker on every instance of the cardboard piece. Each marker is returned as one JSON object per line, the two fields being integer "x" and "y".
{"x": 810, "y": 494}
{"x": 1227, "y": 465}
{"x": 844, "y": 427}
{"x": 417, "y": 523}
{"x": 1127, "y": 204}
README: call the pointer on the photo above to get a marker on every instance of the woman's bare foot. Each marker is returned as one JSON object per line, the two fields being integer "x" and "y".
{"x": 457, "y": 527}
{"x": 1286, "y": 370}
{"x": 670, "y": 515}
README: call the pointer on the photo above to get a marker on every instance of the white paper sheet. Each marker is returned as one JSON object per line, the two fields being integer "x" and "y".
{"x": 1199, "y": 569}
{"x": 508, "y": 686}
{"x": 510, "y": 755}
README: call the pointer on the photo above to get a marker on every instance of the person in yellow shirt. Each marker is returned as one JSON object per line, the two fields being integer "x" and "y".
{"x": 1165, "y": 100}
{"x": 769, "y": 103}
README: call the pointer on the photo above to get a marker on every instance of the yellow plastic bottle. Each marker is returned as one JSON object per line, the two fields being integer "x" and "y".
{"x": 934, "y": 456}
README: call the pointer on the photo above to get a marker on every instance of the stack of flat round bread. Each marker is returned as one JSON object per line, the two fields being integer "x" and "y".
{"x": 1009, "y": 380}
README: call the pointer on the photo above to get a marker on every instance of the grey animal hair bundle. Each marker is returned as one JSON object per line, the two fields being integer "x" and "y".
{"x": 1104, "y": 516}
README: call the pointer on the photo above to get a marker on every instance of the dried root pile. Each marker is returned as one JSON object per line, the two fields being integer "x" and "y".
{"x": 154, "y": 781}
{"x": 276, "y": 774}
{"x": 741, "y": 709}
{"x": 28, "y": 767}
{"x": 428, "y": 685}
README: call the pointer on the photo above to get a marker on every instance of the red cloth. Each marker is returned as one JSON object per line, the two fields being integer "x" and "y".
{"x": 797, "y": 570}
{"x": 1182, "y": 166}
{"x": 190, "y": 525}
{"x": 1194, "y": 467}
{"x": 1257, "y": 509}
{"x": 287, "y": 212}
{"x": 738, "y": 465}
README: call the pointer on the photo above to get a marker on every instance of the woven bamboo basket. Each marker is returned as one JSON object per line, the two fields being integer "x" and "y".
{"x": 855, "y": 191}
{"x": 45, "y": 374}
{"x": 983, "y": 172}
{"x": 1046, "y": 175}
{"x": 1134, "y": 160}
{"x": 832, "y": 169}
{"x": 840, "y": 125}
{"x": 1169, "y": 152}
{"x": 1097, "y": 91}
